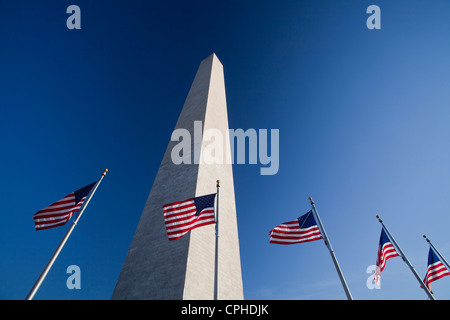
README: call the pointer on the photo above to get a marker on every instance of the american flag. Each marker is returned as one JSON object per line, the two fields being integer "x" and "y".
{"x": 303, "y": 229}
{"x": 436, "y": 269}
{"x": 385, "y": 251}
{"x": 181, "y": 217}
{"x": 58, "y": 213}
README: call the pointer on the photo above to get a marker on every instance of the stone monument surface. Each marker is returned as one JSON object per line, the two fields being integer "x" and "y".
{"x": 156, "y": 268}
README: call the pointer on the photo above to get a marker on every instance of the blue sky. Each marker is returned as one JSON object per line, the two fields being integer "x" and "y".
{"x": 363, "y": 118}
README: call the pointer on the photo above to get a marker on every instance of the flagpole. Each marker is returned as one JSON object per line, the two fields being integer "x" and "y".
{"x": 216, "y": 262}
{"x": 437, "y": 252}
{"x": 333, "y": 256}
{"x": 41, "y": 278}
{"x": 422, "y": 285}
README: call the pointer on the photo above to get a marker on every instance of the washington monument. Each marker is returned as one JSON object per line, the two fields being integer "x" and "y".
{"x": 156, "y": 268}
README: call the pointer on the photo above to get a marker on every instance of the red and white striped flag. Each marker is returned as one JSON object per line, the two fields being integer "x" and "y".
{"x": 303, "y": 229}
{"x": 58, "y": 213}
{"x": 181, "y": 217}
{"x": 435, "y": 270}
{"x": 385, "y": 251}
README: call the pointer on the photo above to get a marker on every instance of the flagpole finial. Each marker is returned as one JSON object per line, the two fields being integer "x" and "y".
{"x": 218, "y": 181}
{"x": 104, "y": 172}
{"x": 310, "y": 199}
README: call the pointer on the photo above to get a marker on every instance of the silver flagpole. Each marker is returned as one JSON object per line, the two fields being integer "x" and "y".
{"x": 333, "y": 256}
{"x": 63, "y": 242}
{"x": 437, "y": 252}
{"x": 402, "y": 255}
{"x": 216, "y": 263}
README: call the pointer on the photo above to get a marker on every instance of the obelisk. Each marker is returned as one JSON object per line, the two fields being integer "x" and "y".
{"x": 156, "y": 268}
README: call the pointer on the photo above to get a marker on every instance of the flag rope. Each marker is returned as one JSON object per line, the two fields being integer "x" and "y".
{"x": 216, "y": 260}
